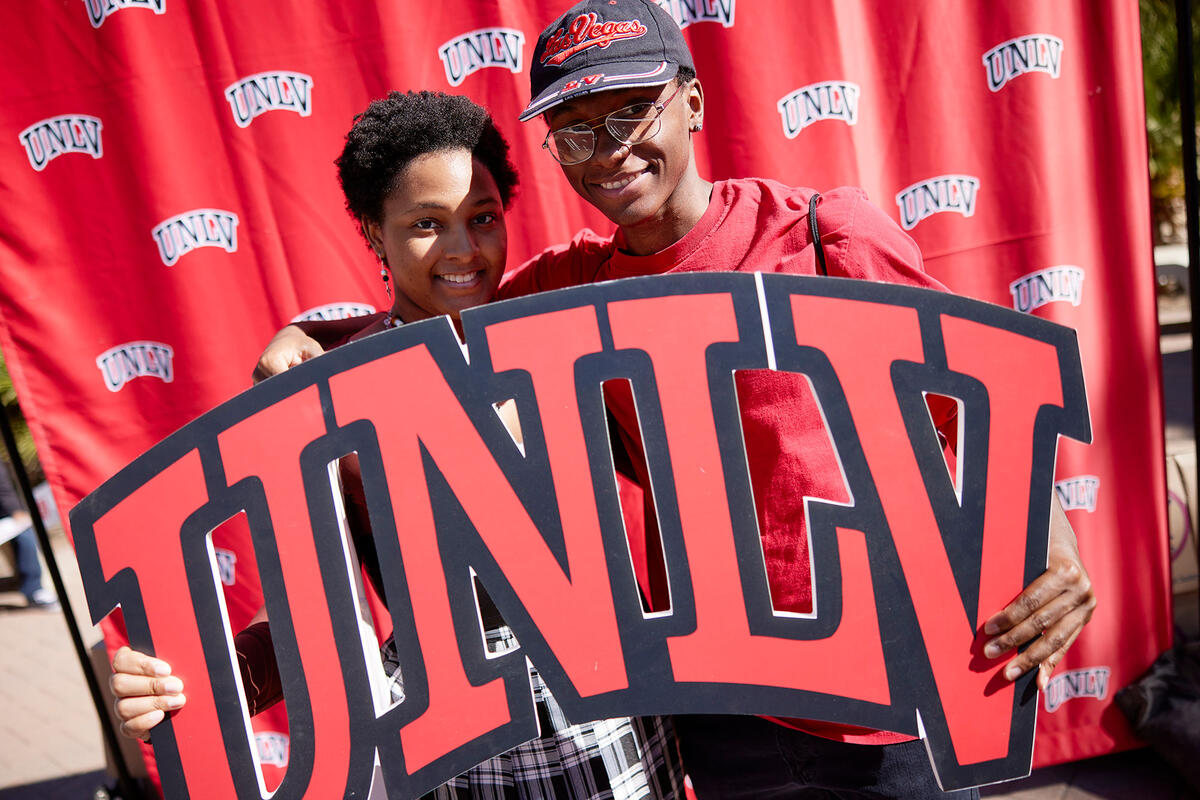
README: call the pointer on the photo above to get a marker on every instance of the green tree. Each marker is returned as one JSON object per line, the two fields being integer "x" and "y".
{"x": 8, "y": 398}
{"x": 1162, "y": 113}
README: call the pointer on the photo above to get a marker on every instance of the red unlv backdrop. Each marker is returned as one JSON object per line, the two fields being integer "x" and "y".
{"x": 168, "y": 200}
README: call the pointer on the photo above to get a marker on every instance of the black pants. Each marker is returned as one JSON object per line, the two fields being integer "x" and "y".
{"x": 730, "y": 757}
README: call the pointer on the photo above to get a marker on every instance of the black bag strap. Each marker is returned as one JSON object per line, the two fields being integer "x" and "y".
{"x": 816, "y": 234}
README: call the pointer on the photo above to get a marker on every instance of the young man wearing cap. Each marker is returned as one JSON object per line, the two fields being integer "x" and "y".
{"x": 615, "y": 83}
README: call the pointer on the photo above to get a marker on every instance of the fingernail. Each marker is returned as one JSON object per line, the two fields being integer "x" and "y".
{"x": 174, "y": 701}
{"x": 991, "y": 628}
{"x": 1012, "y": 672}
{"x": 991, "y": 650}
{"x": 172, "y": 686}
{"x": 161, "y": 668}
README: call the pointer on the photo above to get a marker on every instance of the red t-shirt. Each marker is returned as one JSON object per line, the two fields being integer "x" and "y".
{"x": 757, "y": 225}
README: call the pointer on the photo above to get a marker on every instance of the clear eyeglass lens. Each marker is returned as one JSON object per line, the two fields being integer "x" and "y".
{"x": 630, "y": 125}
{"x": 633, "y": 124}
{"x": 572, "y": 145}
{"x": 632, "y": 131}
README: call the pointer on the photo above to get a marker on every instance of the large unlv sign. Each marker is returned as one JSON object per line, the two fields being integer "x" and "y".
{"x": 901, "y": 573}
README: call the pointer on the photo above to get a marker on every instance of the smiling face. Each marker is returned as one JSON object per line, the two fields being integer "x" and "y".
{"x": 650, "y": 189}
{"x": 442, "y": 233}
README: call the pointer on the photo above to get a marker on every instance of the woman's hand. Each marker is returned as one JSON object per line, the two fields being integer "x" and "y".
{"x": 287, "y": 348}
{"x": 145, "y": 690}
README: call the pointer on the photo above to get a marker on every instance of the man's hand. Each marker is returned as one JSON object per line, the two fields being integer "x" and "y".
{"x": 145, "y": 690}
{"x": 1050, "y": 612}
{"x": 287, "y": 348}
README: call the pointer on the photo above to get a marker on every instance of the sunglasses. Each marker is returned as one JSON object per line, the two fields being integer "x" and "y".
{"x": 630, "y": 125}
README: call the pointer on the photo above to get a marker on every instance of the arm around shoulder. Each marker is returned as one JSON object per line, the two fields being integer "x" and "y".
{"x": 862, "y": 241}
{"x": 570, "y": 264}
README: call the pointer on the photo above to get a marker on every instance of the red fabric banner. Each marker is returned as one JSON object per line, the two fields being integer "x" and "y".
{"x": 168, "y": 200}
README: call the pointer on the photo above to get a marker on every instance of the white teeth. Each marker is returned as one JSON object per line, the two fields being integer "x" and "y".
{"x": 461, "y": 277}
{"x": 618, "y": 184}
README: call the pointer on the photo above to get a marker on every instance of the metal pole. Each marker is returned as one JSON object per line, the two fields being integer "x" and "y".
{"x": 129, "y": 788}
{"x": 1191, "y": 187}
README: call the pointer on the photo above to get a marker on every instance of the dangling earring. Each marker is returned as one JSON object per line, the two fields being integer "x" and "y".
{"x": 383, "y": 274}
{"x": 696, "y": 128}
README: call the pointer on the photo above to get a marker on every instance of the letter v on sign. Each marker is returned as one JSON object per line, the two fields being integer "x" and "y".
{"x": 1022, "y": 386}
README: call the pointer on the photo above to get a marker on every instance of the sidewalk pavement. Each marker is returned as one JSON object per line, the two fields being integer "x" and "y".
{"x": 50, "y": 741}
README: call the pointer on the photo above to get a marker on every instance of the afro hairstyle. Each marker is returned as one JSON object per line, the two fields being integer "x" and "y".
{"x": 398, "y": 128}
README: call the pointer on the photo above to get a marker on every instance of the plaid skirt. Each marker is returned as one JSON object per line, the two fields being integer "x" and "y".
{"x": 613, "y": 759}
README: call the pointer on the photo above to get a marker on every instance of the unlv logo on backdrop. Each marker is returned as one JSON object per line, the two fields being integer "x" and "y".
{"x": 450, "y": 496}
{"x": 587, "y": 31}
{"x": 487, "y": 47}
{"x": 1062, "y": 283}
{"x": 226, "y": 565}
{"x": 818, "y": 101}
{"x": 50, "y": 138}
{"x": 99, "y": 10}
{"x": 272, "y": 748}
{"x": 1092, "y": 682}
{"x": 1078, "y": 493}
{"x": 935, "y": 195}
{"x": 200, "y": 227}
{"x": 269, "y": 91}
{"x": 335, "y": 311}
{"x": 123, "y": 363}
{"x": 1037, "y": 52}
{"x": 685, "y": 12}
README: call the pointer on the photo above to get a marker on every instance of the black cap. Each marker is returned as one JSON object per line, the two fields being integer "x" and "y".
{"x": 604, "y": 44}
